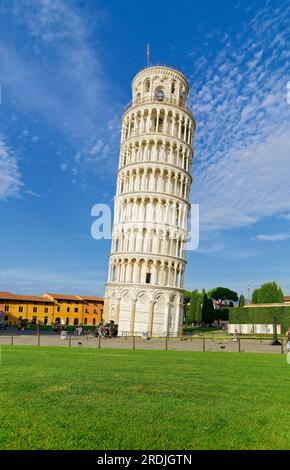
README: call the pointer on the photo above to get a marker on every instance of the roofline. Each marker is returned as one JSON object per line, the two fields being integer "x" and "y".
{"x": 162, "y": 67}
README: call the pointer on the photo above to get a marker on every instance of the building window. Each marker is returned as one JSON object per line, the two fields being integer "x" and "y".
{"x": 76, "y": 310}
{"x": 148, "y": 278}
{"x": 58, "y": 309}
{"x": 34, "y": 319}
{"x": 45, "y": 320}
{"x": 20, "y": 309}
{"x": 67, "y": 321}
{"x": 147, "y": 85}
{"x": 34, "y": 309}
{"x": 6, "y": 318}
{"x": 94, "y": 321}
{"x": 76, "y": 321}
{"x": 45, "y": 309}
{"x": 67, "y": 309}
{"x": 95, "y": 311}
{"x": 6, "y": 308}
{"x": 85, "y": 321}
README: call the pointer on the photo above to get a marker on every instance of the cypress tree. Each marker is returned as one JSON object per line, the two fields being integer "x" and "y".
{"x": 204, "y": 309}
{"x": 210, "y": 311}
{"x": 198, "y": 312}
{"x": 242, "y": 300}
{"x": 255, "y": 296}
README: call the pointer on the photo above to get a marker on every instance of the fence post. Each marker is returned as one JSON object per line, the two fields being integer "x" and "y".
{"x": 166, "y": 345}
{"x": 203, "y": 344}
{"x": 239, "y": 344}
{"x": 99, "y": 341}
{"x": 69, "y": 340}
{"x": 133, "y": 342}
{"x": 282, "y": 347}
{"x": 38, "y": 339}
{"x": 12, "y": 340}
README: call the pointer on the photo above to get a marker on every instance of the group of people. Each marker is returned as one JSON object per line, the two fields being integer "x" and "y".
{"x": 104, "y": 331}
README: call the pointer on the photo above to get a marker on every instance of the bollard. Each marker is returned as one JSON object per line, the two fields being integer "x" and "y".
{"x": 282, "y": 347}
{"x": 166, "y": 345}
{"x": 203, "y": 344}
{"x": 133, "y": 342}
{"x": 239, "y": 343}
{"x": 12, "y": 340}
{"x": 38, "y": 339}
{"x": 69, "y": 340}
{"x": 99, "y": 341}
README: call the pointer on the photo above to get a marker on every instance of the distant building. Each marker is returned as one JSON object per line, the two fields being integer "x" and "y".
{"x": 34, "y": 308}
{"x": 51, "y": 308}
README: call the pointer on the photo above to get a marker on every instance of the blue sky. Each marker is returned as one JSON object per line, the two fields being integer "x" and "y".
{"x": 65, "y": 74}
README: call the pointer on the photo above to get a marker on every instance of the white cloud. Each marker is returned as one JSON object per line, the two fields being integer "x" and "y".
{"x": 62, "y": 78}
{"x": 242, "y": 167}
{"x": 275, "y": 237}
{"x": 10, "y": 178}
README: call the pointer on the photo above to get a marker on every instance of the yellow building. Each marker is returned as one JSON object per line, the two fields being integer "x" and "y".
{"x": 15, "y": 308}
{"x": 51, "y": 308}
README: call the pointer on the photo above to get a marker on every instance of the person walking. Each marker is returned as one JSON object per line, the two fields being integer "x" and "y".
{"x": 288, "y": 340}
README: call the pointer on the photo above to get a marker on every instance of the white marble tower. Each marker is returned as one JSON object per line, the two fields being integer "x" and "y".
{"x": 144, "y": 292}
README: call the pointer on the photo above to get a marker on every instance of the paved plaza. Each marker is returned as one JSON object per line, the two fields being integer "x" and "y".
{"x": 172, "y": 344}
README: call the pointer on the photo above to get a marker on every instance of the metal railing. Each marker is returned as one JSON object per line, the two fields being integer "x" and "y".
{"x": 152, "y": 99}
{"x": 198, "y": 343}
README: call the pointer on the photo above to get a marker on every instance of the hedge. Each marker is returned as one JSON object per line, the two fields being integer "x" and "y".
{"x": 251, "y": 315}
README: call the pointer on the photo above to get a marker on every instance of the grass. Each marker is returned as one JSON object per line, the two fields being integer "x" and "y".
{"x": 59, "y": 398}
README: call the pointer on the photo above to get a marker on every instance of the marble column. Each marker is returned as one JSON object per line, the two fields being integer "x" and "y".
{"x": 133, "y": 314}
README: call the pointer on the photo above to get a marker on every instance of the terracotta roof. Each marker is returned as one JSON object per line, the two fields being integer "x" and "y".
{"x": 23, "y": 298}
{"x": 62, "y": 296}
{"x": 92, "y": 298}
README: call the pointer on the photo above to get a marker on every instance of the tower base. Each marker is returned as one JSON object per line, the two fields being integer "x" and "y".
{"x": 140, "y": 310}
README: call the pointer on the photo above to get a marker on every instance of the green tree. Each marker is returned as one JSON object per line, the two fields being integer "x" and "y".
{"x": 198, "y": 308}
{"x": 270, "y": 293}
{"x": 192, "y": 307}
{"x": 281, "y": 295}
{"x": 208, "y": 311}
{"x": 242, "y": 300}
{"x": 204, "y": 315}
{"x": 255, "y": 296}
{"x": 222, "y": 294}
{"x": 186, "y": 302}
{"x": 211, "y": 312}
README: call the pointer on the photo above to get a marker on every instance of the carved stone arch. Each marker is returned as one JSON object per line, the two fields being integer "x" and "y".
{"x": 142, "y": 297}
{"x": 159, "y": 298}
{"x": 125, "y": 296}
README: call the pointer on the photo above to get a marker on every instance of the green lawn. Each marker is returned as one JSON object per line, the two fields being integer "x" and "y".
{"x": 60, "y": 398}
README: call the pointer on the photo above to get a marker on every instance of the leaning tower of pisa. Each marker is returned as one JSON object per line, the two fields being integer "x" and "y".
{"x": 144, "y": 292}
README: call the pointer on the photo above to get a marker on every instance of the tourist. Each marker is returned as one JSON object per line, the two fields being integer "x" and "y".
{"x": 288, "y": 339}
{"x": 235, "y": 336}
